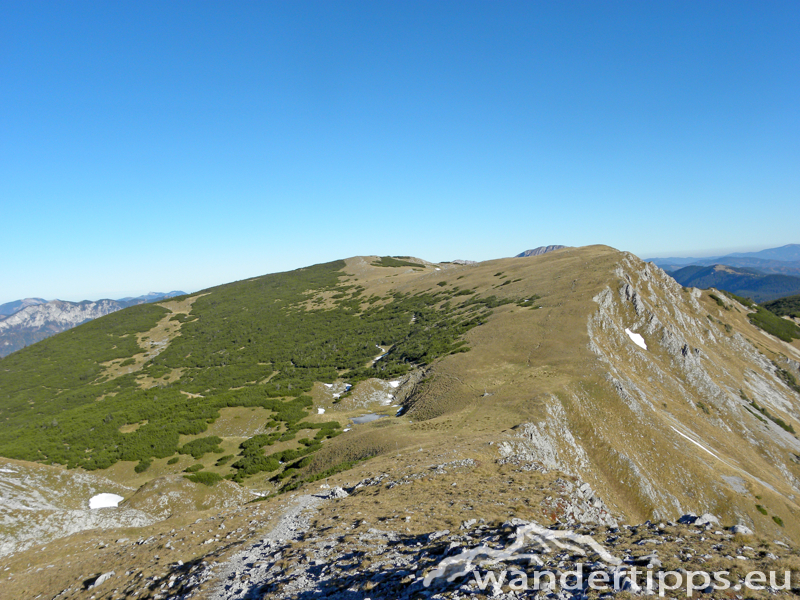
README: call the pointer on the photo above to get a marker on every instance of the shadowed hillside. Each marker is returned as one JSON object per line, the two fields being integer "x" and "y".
{"x": 749, "y": 283}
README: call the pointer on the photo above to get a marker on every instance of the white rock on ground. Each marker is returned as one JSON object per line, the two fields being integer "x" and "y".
{"x": 102, "y": 579}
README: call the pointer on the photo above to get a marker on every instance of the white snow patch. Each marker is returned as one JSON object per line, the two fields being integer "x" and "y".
{"x": 105, "y": 501}
{"x": 696, "y": 443}
{"x": 328, "y": 385}
{"x": 394, "y": 384}
{"x": 636, "y": 339}
{"x": 438, "y": 269}
{"x": 345, "y": 430}
{"x": 320, "y": 411}
{"x": 7, "y": 471}
{"x": 336, "y": 395}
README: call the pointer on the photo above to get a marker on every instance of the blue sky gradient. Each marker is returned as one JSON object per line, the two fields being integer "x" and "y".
{"x": 178, "y": 145}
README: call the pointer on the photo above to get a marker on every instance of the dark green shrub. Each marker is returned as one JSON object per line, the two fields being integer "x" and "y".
{"x": 199, "y": 447}
{"x": 205, "y": 477}
{"x": 787, "y": 377}
{"x": 777, "y": 420}
{"x": 253, "y": 343}
{"x": 775, "y": 325}
{"x": 719, "y": 301}
{"x": 224, "y": 460}
{"x": 784, "y": 307}
{"x": 388, "y": 261}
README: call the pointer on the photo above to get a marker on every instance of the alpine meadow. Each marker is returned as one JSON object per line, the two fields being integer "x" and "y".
{"x": 378, "y": 300}
{"x": 415, "y": 396}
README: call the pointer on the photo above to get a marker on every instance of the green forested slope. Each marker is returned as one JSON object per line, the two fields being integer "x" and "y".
{"x": 260, "y": 342}
{"x": 785, "y": 307}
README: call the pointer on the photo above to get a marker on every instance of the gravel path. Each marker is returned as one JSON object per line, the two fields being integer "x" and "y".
{"x": 240, "y": 574}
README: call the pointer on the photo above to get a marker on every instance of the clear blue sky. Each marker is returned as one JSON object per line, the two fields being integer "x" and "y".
{"x": 177, "y": 145}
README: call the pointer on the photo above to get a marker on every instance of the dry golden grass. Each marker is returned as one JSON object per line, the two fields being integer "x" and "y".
{"x": 526, "y": 366}
{"x": 523, "y": 361}
{"x": 131, "y": 427}
{"x": 152, "y": 343}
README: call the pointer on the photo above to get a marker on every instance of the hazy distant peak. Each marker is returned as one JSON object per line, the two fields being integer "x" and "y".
{"x": 789, "y": 252}
{"x": 9, "y": 308}
{"x": 539, "y": 250}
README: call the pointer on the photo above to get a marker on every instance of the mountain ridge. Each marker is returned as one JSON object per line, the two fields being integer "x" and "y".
{"x": 543, "y": 409}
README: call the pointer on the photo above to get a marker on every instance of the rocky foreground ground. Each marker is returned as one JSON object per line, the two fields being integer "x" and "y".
{"x": 357, "y": 561}
{"x": 391, "y": 537}
{"x": 422, "y": 532}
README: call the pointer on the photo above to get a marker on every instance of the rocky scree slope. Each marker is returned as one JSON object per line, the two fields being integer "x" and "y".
{"x": 373, "y": 562}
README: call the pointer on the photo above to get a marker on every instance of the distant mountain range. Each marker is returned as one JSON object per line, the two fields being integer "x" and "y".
{"x": 762, "y": 276}
{"x": 783, "y": 261}
{"x": 24, "y": 322}
{"x": 749, "y": 283}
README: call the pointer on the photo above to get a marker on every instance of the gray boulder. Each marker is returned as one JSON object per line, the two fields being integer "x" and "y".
{"x": 706, "y": 519}
{"x": 332, "y": 493}
{"x": 741, "y": 529}
{"x": 102, "y": 579}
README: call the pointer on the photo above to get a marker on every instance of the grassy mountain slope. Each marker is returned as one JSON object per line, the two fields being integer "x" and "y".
{"x": 257, "y": 343}
{"x": 552, "y": 390}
